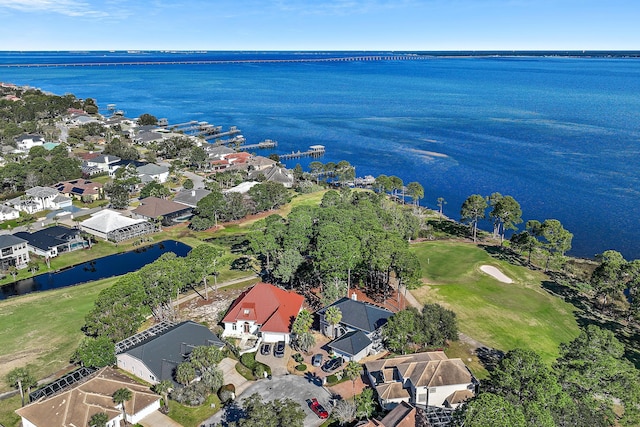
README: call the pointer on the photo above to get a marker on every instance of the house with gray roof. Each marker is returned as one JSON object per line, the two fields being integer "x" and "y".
{"x": 358, "y": 333}
{"x": 153, "y": 172}
{"x": 156, "y": 358}
{"x": 7, "y": 213}
{"x": 26, "y": 142}
{"x": 274, "y": 174}
{"x": 191, "y": 197}
{"x": 13, "y": 252}
{"x": 38, "y": 198}
{"x": 52, "y": 241}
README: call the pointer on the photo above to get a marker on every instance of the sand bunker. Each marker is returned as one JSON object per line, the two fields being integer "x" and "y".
{"x": 495, "y": 273}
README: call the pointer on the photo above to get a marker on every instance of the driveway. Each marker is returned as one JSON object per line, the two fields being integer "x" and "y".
{"x": 294, "y": 387}
{"x": 278, "y": 365}
{"x": 231, "y": 376}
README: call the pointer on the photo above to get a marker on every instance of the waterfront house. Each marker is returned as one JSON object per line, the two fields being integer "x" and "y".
{"x": 258, "y": 163}
{"x": 77, "y": 404}
{"x": 115, "y": 227}
{"x": 52, "y": 241}
{"x": 424, "y": 379}
{"x": 264, "y": 311}
{"x": 153, "y": 208}
{"x": 358, "y": 333}
{"x": 13, "y": 252}
{"x": 154, "y": 354}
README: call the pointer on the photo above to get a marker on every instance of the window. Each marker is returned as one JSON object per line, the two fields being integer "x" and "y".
{"x": 234, "y": 327}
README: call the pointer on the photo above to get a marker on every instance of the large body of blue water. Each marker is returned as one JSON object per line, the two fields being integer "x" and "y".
{"x": 559, "y": 134}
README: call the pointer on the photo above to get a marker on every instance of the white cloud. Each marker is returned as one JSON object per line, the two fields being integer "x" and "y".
{"x": 64, "y": 7}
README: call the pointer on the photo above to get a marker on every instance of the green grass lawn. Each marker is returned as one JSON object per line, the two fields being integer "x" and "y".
{"x": 193, "y": 417}
{"x": 504, "y": 316}
{"x": 43, "y": 329}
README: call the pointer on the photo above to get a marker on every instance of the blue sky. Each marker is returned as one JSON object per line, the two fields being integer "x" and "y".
{"x": 319, "y": 25}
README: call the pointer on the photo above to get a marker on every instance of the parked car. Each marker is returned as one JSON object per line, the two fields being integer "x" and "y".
{"x": 265, "y": 349}
{"x": 318, "y": 409}
{"x": 332, "y": 364}
{"x": 278, "y": 350}
{"x": 316, "y": 360}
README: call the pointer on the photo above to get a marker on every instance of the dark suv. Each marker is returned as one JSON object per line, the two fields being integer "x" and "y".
{"x": 332, "y": 364}
{"x": 265, "y": 349}
{"x": 278, "y": 350}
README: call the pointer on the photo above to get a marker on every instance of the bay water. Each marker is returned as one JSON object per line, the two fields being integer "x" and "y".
{"x": 559, "y": 134}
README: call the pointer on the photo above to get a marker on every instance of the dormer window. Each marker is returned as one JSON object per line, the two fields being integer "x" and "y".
{"x": 246, "y": 311}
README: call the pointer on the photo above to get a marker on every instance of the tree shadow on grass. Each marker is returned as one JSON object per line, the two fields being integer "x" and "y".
{"x": 450, "y": 228}
{"x": 505, "y": 254}
{"x": 489, "y": 357}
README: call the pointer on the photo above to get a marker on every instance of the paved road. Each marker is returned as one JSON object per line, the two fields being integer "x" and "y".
{"x": 294, "y": 387}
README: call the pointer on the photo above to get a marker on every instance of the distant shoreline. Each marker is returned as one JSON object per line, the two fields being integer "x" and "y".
{"x": 128, "y": 58}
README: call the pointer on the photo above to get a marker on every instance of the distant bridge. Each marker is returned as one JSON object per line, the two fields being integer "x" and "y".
{"x": 227, "y": 61}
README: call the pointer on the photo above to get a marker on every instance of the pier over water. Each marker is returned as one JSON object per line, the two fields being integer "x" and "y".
{"x": 114, "y": 63}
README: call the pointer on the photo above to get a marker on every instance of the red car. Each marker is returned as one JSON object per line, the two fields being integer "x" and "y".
{"x": 318, "y": 409}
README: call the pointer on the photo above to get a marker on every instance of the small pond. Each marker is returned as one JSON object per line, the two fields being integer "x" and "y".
{"x": 101, "y": 268}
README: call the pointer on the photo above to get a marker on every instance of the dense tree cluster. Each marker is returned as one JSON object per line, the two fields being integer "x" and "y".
{"x": 221, "y": 207}
{"x": 411, "y": 330}
{"x": 582, "y": 389}
{"x": 352, "y": 237}
{"x": 120, "y": 309}
{"x": 275, "y": 413}
{"x": 40, "y": 167}
{"x": 615, "y": 285}
{"x": 32, "y": 112}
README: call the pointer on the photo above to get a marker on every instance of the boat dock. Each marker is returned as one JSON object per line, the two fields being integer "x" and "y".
{"x": 267, "y": 143}
{"x": 204, "y": 129}
{"x": 313, "y": 151}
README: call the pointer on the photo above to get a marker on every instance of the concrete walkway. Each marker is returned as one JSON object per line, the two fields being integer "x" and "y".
{"x": 158, "y": 419}
{"x": 231, "y": 376}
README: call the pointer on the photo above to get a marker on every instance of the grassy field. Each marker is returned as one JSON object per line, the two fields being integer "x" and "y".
{"x": 503, "y": 316}
{"x": 43, "y": 329}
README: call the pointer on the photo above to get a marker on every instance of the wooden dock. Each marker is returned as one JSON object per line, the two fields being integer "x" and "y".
{"x": 267, "y": 143}
{"x": 313, "y": 151}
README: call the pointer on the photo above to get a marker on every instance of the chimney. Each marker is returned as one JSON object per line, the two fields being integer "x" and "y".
{"x": 354, "y": 296}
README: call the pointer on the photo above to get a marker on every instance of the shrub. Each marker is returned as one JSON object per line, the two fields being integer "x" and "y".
{"x": 248, "y": 360}
{"x": 259, "y": 370}
{"x": 298, "y": 357}
{"x": 193, "y": 395}
{"x": 301, "y": 367}
{"x": 226, "y": 393}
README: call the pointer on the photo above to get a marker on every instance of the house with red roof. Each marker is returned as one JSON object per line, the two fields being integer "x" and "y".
{"x": 264, "y": 311}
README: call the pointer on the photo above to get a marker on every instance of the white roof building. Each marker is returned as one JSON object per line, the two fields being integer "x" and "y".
{"x": 111, "y": 225}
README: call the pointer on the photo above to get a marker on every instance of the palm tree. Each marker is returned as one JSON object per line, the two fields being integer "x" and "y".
{"x": 98, "y": 420}
{"x": 120, "y": 396}
{"x": 353, "y": 371}
{"x": 163, "y": 388}
{"x": 333, "y": 316}
{"x": 185, "y": 373}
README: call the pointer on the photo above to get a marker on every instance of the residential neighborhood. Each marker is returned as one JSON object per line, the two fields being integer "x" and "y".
{"x": 302, "y": 298}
